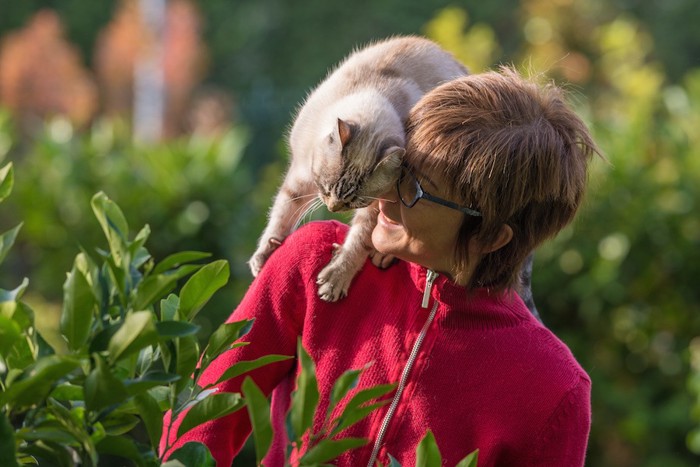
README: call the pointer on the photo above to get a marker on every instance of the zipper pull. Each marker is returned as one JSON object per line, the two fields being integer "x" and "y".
{"x": 429, "y": 279}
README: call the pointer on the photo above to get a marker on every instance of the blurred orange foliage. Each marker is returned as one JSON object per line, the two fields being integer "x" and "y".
{"x": 126, "y": 40}
{"x": 41, "y": 74}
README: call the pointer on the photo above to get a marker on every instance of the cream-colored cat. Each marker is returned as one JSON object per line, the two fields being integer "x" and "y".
{"x": 347, "y": 143}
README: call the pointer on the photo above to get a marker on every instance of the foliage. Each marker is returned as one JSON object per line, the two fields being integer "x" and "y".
{"x": 474, "y": 45}
{"x": 618, "y": 286}
{"x": 130, "y": 348}
{"x": 131, "y": 352}
{"x": 196, "y": 191}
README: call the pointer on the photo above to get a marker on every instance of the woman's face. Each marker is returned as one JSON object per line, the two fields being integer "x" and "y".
{"x": 425, "y": 234}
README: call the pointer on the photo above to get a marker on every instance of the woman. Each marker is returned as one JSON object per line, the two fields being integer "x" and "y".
{"x": 494, "y": 165}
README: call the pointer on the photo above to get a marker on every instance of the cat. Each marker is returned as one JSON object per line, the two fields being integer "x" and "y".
{"x": 346, "y": 146}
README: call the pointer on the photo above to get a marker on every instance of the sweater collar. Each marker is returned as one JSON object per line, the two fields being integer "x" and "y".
{"x": 477, "y": 308}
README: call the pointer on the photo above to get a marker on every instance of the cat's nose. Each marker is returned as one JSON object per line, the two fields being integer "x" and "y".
{"x": 335, "y": 205}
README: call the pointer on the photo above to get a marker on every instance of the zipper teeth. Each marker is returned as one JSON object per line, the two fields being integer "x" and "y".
{"x": 402, "y": 384}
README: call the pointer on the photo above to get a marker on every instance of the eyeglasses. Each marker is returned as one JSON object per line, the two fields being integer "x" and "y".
{"x": 410, "y": 191}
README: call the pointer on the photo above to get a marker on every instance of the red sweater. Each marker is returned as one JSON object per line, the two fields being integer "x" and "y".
{"x": 487, "y": 375}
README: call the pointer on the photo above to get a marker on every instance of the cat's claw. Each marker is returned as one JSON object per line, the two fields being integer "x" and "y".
{"x": 257, "y": 261}
{"x": 334, "y": 280}
{"x": 328, "y": 293}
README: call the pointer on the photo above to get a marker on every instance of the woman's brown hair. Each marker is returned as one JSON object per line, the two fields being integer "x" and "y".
{"x": 516, "y": 152}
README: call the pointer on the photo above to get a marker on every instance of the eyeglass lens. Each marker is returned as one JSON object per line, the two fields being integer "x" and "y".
{"x": 408, "y": 187}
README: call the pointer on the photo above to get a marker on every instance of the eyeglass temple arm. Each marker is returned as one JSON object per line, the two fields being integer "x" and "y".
{"x": 450, "y": 204}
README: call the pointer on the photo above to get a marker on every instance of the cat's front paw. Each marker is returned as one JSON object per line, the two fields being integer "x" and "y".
{"x": 380, "y": 260}
{"x": 257, "y": 261}
{"x": 334, "y": 280}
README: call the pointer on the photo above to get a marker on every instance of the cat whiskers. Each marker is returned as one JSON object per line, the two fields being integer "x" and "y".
{"x": 311, "y": 195}
{"x": 378, "y": 199}
{"x": 306, "y": 209}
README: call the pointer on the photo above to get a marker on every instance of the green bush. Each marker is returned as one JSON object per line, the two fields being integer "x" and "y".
{"x": 130, "y": 348}
{"x": 198, "y": 193}
{"x": 130, "y": 352}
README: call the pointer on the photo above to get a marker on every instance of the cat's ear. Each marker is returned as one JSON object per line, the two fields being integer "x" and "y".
{"x": 346, "y": 131}
{"x": 392, "y": 156}
{"x": 386, "y": 171}
{"x": 390, "y": 159}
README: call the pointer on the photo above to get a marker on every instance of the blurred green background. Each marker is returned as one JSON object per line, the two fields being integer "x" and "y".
{"x": 619, "y": 286}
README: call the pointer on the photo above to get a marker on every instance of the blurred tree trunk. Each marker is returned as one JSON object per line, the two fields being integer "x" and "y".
{"x": 149, "y": 82}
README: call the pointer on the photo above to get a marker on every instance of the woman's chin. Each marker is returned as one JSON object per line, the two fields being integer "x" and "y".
{"x": 385, "y": 238}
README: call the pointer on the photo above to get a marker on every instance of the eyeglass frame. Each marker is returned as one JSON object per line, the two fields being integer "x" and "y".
{"x": 422, "y": 194}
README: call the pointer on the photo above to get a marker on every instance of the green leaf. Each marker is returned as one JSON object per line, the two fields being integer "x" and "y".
{"x": 7, "y": 240}
{"x": 346, "y": 382}
{"x": 328, "y": 449}
{"x": 152, "y": 416}
{"x": 177, "y": 259}
{"x": 250, "y": 365}
{"x": 7, "y": 180}
{"x": 427, "y": 452}
{"x": 100, "y": 341}
{"x": 191, "y": 454}
{"x": 356, "y": 409}
{"x": 7, "y": 442}
{"x": 78, "y": 308}
{"x": 259, "y": 413}
{"x": 213, "y": 406}
{"x": 156, "y": 286}
{"x": 113, "y": 224}
{"x": 393, "y": 462}
{"x": 13, "y": 295}
{"x": 470, "y": 461}
{"x": 172, "y": 329}
{"x": 56, "y": 434}
{"x": 68, "y": 392}
{"x": 201, "y": 286}
{"x": 122, "y": 447}
{"x": 136, "y": 332}
{"x": 169, "y": 307}
{"x": 117, "y": 424}
{"x": 305, "y": 397}
{"x": 187, "y": 356}
{"x": 350, "y": 416}
{"x": 22, "y": 354}
{"x": 222, "y": 339}
{"x": 102, "y": 387}
{"x": 139, "y": 254}
{"x": 148, "y": 381}
{"x": 10, "y": 332}
{"x": 73, "y": 421}
{"x": 37, "y": 380}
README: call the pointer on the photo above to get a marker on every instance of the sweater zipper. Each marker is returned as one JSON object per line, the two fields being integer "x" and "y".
{"x": 429, "y": 280}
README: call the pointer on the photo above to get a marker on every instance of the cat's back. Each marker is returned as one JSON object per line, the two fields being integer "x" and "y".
{"x": 403, "y": 58}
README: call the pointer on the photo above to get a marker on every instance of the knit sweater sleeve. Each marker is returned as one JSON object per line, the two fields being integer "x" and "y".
{"x": 277, "y": 301}
{"x": 563, "y": 439}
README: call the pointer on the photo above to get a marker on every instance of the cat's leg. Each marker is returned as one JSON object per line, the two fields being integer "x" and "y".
{"x": 526, "y": 289}
{"x": 334, "y": 280}
{"x": 289, "y": 206}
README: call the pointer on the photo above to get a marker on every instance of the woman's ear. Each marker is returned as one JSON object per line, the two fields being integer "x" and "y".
{"x": 505, "y": 235}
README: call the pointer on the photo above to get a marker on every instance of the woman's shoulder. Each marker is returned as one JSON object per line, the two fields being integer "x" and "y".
{"x": 318, "y": 233}
{"x": 556, "y": 358}
{"x": 309, "y": 247}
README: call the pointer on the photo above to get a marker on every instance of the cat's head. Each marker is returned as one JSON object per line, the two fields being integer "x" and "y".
{"x": 355, "y": 165}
